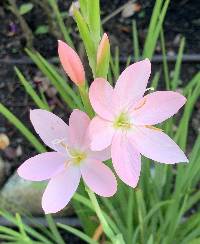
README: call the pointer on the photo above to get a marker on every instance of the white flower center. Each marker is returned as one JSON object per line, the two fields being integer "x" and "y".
{"x": 77, "y": 156}
{"x": 122, "y": 122}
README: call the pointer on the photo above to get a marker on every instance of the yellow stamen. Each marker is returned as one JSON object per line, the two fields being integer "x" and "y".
{"x": 66, "y": 164}
{"x": 153, "y": 127}
{"x": 76, "y": 156}
{"x": 140, "y": 106}
{"x": 63, "y": 144}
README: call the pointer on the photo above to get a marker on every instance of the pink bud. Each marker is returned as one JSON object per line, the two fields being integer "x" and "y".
{"x": 71, "y": 63}
{"x": 103, "y": 48}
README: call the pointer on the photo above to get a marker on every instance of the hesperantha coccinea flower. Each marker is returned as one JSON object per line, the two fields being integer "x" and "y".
{"x": 125, "y": 120}
{"x": 71, "y": 159}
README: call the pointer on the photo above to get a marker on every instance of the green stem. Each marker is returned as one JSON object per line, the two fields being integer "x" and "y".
{"x": 107, "y": 230}
{"x": 86, "y": 102}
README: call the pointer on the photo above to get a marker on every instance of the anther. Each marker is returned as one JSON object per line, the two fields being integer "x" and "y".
{"x": 141, "y": 105}
{"x": 153, "y": 127}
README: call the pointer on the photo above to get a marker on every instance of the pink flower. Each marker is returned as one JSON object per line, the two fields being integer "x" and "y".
{"x": 71, "y": 63}
{"x": 125, "y": 121}
{"x": 71, "y": 159}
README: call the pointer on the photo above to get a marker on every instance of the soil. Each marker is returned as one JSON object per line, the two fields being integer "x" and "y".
{"x": 182, "y": 20}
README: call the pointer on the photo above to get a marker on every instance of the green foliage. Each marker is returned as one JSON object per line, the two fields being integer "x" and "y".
{"x": 25, "y": 8}
{"x": 87, "y": 40}
{"x": 42, "y": 29}
{"x": 22, "y": 128}
{"x": 155, "y": 26}
{"x": 60, "y": 22}
{"x": 26, "y": 234}
{"x": 38, "y": 101}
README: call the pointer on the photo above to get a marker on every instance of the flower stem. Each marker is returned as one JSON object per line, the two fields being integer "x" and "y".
{"x": 86, "y": 102}
{"x": 107, "y": 230}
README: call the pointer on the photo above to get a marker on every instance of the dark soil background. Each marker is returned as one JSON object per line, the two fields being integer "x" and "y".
{"x": 182, "y": 19}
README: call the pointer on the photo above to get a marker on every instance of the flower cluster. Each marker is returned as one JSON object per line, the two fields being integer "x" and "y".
{"x": 123, "y": 130}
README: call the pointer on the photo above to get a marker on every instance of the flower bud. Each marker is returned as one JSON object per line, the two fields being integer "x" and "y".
{"x": 103, "y": 48}
{"x": 71, "y": 63}
{"x": 103, "y": 57}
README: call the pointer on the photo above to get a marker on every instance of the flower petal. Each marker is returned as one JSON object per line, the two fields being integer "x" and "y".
{"x": 101, "y": 155}
{"x": 101, "y": 133}
{"x": 71, "y": 63}
{"x": 42, "y": 166}
{"x": 60, "y": 190}
{"x": 99, "y": 178}
{"x": 100, "y": 95}
{"x": 49, "y": 127}
{"x": 132, "y": 83}
{"x": 126, "y": 160}
{"x": 78, "y": 125}
{"x": 156, "y": 145}
{"x": 157, "y": 107}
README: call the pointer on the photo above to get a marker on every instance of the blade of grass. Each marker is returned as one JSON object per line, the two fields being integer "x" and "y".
{"x": 22, "y": 229}
{"x": 176, "y": 75}
{"x": 78, "y": 233}
{"x": 28, "y": 229}
{"x": 58, "y": 238}
{"x": 114, "y": 64}
{"x": 29, "y": 89}
{"x": 58, "y": 82}
{"x": 64, "y": 85}
{"x": 152, "y": 25}
{"x": 136, "y": 48}
{"x": 61, "y": 24}
{"x": 151, "y": 40}
{"x": 129, "y": 216}
{"x": 155, "y": 80}
{"x": 22, "y": 128}
{"x": 192, "y": 84}
{"x": 165, "y": 65}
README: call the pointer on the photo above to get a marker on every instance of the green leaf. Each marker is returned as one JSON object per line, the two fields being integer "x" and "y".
{"x": 54, "y": 230}
{"x": 64, "y": 90}
{"x": 22, "y": 128}
{"x": 155, "y": 28}
{"x": 86, "y": 37}
{"x": 155, "y": 80}
{"x": 29, "y": 89}
{"x": 84, "y": 9}
{"x": 78, "y": 233}
{"x": 136, "y": 49}
{"x": 60, "y": 22}
{"x": 25, "y": 8}
{"x": 176, "y": 76}
{"x": 94, "y": 20}
{"x": 42, "y": 29}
